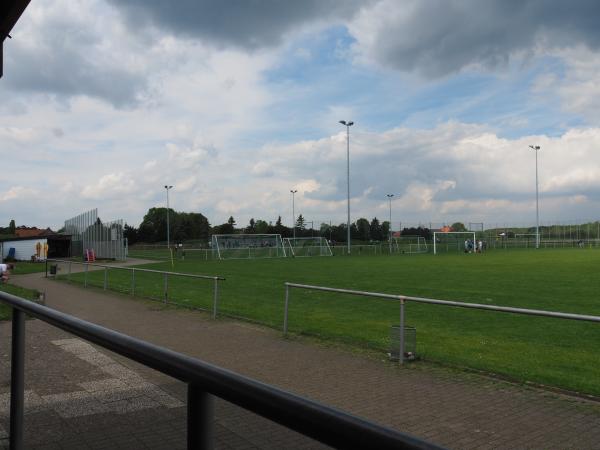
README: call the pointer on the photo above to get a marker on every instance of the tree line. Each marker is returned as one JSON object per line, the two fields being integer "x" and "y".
{"x": 185, "y": 226}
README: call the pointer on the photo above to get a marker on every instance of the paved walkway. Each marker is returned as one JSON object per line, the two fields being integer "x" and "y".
{"x": 81, "y": 396}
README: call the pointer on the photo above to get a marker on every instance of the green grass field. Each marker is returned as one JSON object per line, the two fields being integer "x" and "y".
{"x": 555, "y": 352}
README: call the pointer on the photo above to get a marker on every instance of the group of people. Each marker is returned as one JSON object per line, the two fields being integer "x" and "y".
{"x": 473, "y": 246}
{"x": 5, "y": 271}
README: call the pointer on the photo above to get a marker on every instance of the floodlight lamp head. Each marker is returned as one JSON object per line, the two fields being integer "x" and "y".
{"x": 390, "y": 195}
{"x": 293, "y": 191}
{"x": 343, "y": 122}
{"x": 350, "y": 124}
{"x": 535, "y": 147}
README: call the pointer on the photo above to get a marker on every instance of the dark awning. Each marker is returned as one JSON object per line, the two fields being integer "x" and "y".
{"x": 10, "y": 11}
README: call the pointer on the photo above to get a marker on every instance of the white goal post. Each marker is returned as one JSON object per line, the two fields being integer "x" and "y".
{"x": 409, "y": 244}
{"x": 247, "y": 246}
{"x": 307, "y": 246}
{"x": 458, "y": 239}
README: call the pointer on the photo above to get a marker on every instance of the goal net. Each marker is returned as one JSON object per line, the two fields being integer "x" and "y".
{"x": 247, "y": 246}
{"x": 307, "y": 246}
{"x": 453, "y": 241}
{"x": 409, "y": 244}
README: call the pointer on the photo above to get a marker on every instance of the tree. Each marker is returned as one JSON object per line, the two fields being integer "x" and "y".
{"x": 420, "y": 231}
{"x": 190, "y": 226}
{"x": 231, "y": 221}
{"x": 376, "y": 234}
{"x": 183, "y": 226}
{"x": 325, "y": 231}
{"x": 251, "y": 228}
{"x": 131, "y": 234}
{"x": 300, "y": 222}
{"x": 262, "y": 227}
{"x": 154, "y": 225}
{"x": 353, "y": 231}
{"x": 338, "y": 232}
{"x": 385, "y": 229}
{"x": 282, "y": 229}
{"x": 364, "y": 229}
{"x": 12, "y": 227}
{"x": 458, "y": 226}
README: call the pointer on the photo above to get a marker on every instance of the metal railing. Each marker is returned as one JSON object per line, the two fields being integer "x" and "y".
{"x": 135, "y": 270}
{"x": 317, "y": 421}
{"x": 406, "y": 298}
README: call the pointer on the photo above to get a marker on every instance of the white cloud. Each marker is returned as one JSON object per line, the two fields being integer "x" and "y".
{"x": 20, "y": 193}
{"x": 109, "y": 186}
{"x": 577, "y": 89}
{"x": 116, "y": 113}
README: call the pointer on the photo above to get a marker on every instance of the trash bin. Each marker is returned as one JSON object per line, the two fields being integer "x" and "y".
{"x": 53, "y": 269}
{"x": 410, "y": 343}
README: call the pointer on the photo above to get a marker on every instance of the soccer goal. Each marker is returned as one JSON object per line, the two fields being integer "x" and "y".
{"x": 452, "y": 241}
{"x": 307, "y": 246}
{"x": 247, "y": 246}
{"x": 409, "y": 244}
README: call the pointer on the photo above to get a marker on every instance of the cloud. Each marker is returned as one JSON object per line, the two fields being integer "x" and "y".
{"x": 576, "y": 87}
{"x": 239, "y": 23}
{"x": 18, "y": 193}
{"x": 110, "y": 186}
{"x": 67, "y": 49}
{"x": 436, "y": 37}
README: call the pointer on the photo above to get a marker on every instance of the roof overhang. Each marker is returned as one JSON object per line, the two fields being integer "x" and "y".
{"x": 10, "y": 11}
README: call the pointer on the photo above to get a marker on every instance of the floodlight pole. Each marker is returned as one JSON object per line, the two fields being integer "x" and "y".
{"x": 348, "y": 125}
{"x": 293, "y": 191}
{"x": 168, "y": 231}
{"x": 389, "y": 196}
{"x": 537, "y": 203}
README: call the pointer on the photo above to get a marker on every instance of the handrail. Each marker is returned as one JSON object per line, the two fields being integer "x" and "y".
{"x": 315, "y": 420}
{"x": 133, "y": 271}
{"x": 137, "y": 269}
{"x": 507, "y": 309}
{"x": 402, "y": 299}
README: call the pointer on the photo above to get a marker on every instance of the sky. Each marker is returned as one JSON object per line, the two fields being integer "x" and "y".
{"x": 234, "y": 104}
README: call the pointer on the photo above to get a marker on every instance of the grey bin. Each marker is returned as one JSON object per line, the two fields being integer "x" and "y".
{"x": 410, "y": 343}
{"x": 53, "y": 269}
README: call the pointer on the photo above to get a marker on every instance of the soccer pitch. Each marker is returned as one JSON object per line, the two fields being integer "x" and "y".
{"x": 555, "y": 352}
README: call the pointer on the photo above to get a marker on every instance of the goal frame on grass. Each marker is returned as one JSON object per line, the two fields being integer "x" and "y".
{"x": 247, "y": 246}
{"x": 418, "y": 244}
{"x": 446, "y": 233}
{"x": 307, "y": 246}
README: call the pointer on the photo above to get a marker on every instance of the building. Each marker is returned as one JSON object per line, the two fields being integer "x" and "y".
{"x": 36, "y": 248}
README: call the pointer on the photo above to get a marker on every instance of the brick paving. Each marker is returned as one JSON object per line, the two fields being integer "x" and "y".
{"x": 81, "y": 396}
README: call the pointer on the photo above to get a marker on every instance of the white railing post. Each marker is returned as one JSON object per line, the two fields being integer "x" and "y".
{"x": 215, "y": 297}
{"x": 285, "y": 312}
{"x": 166, "y": 276}
{"x": 401, "y": 356}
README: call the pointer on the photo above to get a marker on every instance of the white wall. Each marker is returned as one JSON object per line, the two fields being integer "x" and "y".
{"x": 24, "y": 248}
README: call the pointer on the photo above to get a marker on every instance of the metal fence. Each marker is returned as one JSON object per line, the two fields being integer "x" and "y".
{"x": 204, "y": 382}
{"x": 402, "y": 299}
{"x": 88, "y": 232}
{"x": 133, "y": 270}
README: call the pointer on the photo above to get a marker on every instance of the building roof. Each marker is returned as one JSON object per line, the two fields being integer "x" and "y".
{"x": 49, "y": 237}
{"x": 24, "y": 231}
{"x": 10, "y": 11}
